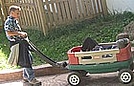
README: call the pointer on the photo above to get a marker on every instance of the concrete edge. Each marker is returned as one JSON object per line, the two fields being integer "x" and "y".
{"x": 42, "y": 70}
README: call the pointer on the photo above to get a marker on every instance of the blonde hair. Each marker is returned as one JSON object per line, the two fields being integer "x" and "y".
{"x": 13, "y": 8}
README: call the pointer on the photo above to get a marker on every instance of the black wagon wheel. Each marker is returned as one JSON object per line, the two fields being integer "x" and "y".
{"x": 125, "y": 76}
{"x": 74, "y": 78}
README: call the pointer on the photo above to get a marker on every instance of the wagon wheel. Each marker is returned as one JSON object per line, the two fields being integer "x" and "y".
{"x": 74, "y": 79}
{"x": 125, "y": 76}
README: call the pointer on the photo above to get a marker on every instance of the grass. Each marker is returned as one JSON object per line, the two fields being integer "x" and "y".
{"x": 3, "y": 62}
{"x": 56, "y": 44}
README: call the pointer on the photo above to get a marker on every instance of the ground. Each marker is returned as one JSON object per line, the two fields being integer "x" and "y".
{"x": 104, "y": 79}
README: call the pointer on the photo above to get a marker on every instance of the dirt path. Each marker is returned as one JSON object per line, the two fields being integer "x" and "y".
{"x": 105, "y": 79}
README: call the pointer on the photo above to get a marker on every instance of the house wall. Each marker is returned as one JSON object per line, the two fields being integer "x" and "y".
{"x": 120, "y": 5}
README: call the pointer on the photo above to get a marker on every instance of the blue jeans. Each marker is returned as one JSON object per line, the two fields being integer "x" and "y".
{"x": 28, "y": 73}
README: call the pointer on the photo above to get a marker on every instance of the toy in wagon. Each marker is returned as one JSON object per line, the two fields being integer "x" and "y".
{"x": 93, "y": 57}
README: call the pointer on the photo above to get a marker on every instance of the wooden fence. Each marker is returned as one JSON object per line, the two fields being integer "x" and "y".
{"x": 44, "y": 14}
{"x": 1, "y": 19}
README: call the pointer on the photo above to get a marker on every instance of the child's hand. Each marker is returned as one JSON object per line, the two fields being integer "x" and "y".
{"x": 23, "y": 34}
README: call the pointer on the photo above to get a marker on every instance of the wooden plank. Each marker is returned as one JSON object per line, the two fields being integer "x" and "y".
{"x": 98, "y": 6}
{"x": 2, "y": 18}
{"x": 91, "y": 9}
{"x": 30, "y": 16}
{"x": 83, "y": 8}
{"x": 94, "y": 6}
{"x": 25, "y": 17}
{"x": 101, "y": 7}
{"x": 29, "y": 13}
{"x": 90, "y": 14}
{"x": 33, "y": 16}
{"x": 26, "y": 4}
{"x": 50, "y": 16}
{"x": 38, "y": 16}
{"x": 40, "y": 6}
{"x": 73, "y": 7}
{"x": 63, "y": 13}
{"x": 104, "y": 7}
{"x": 54, "y": 10}
{"x": 67, "y": 9}
{"x": 26, "y": 14}
{"x": 58, "y": 10}
{"x": 37, "y": 20}
{"x": 5, "y": 1}
{"x": 71, "y": 10}
{"x": 5, "y": 10}
{"x": 20, "y": 19}
{"x": 86, "y": 7}
{"x": 80, "y": 8}
{"x": 15, "y": 1}
{"x": 22, "y": 16}
{"x": 18, "y": 1}
{"x": 9, "y": 1}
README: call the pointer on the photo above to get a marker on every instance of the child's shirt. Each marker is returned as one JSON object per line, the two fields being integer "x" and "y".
{"x": 12, "y": 25}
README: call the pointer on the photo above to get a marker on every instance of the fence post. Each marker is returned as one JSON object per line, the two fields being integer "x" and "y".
{"x": 40, "y": 8}
{"x": 104, "y": 7}
{"x": 1, "y": 20}
{"x": 5, "y": 12}
{"x": 2, "y": 16}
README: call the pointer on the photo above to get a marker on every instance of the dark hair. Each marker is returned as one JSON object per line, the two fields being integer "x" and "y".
{"x": 13, "y": 8}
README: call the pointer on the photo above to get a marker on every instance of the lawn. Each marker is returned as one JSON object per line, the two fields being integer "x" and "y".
{"x": 3, "y": 62}
{"x": 62, "y": 38}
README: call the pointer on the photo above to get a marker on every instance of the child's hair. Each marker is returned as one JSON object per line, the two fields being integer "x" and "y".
{"x": 13, "y": 8}
{"x": 122, "y": 35}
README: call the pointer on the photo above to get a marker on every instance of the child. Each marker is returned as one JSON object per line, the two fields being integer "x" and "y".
{"x": 14, "y": 34}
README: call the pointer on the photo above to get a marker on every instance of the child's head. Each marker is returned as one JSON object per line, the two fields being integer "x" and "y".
{"x": 14, "y": 11}
{"x": 122, "y": 35}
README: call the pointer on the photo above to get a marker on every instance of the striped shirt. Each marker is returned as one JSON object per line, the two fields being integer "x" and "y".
{"x": 12, "y": 25}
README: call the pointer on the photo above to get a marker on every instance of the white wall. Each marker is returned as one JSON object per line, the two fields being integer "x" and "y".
{"x": 120, "y": 5}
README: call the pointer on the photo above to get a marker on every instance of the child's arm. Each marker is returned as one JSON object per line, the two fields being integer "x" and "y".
{"x": 17, "y": 33}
